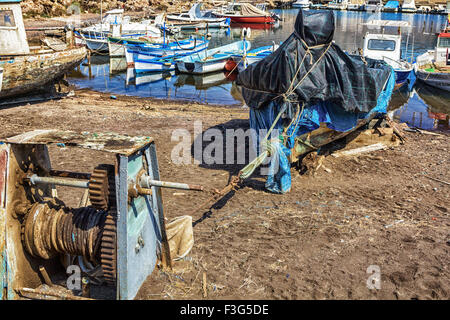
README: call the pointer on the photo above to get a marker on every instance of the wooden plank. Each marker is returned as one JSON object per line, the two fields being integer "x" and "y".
{"x": 371, "y": 148}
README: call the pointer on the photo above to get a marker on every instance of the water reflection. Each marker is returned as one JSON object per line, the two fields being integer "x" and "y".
{"x": 423, "y": 107}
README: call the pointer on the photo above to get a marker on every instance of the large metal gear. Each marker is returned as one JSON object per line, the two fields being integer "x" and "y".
{"x": 102, "y": 193}
{"x": 100, "y": 186}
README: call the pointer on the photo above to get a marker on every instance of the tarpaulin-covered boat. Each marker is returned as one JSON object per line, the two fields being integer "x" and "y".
{"x": 246, "y": 13}
{"x": 308, "y": 93}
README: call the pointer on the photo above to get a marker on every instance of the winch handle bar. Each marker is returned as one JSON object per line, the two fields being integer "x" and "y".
{"x": 145, "y": 182}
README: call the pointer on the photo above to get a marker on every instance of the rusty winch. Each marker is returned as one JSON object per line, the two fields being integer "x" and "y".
{"x": 115, "y": 237}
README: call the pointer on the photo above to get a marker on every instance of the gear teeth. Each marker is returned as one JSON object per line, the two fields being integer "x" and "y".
{"x": 108, "y": 250}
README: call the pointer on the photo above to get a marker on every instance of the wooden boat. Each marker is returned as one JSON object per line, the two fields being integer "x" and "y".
{"x": 115, "y": 24}
{"x": 142, "y": 50}
{"x": 432, "y": 67}
{"x": 211, "y": 60}
{"x": 31, "y": 69}
{"x": 246, "y": 13}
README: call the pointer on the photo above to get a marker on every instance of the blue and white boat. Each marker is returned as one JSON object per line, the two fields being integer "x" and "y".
{"x": 211, "y": 60}
{"x": 252, "y": 56}
{"x": 387, "y": 47}
{"x": 137, "y": 50}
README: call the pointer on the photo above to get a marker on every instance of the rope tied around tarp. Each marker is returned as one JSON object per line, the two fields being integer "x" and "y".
{"x": 268, "y": 145}
{"x": 308, "y": 52}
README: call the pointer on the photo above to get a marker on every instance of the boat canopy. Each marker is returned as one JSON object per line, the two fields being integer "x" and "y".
{"x": 195, "y": 11}
{"x": 409, "y": 4}
{"x": 248, "y": 9}
{"x": 392, "y": 4}
{"x": 388, "y": 23}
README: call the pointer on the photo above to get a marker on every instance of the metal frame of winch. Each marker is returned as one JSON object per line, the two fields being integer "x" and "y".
{"x": 122, "y": 231}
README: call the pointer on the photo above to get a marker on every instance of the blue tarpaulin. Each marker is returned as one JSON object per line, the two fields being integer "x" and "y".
{"x": 336, "y": 118}
{"x": 392, "y": 4}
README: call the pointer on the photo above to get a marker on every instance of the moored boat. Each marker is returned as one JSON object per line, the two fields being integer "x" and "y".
{"x": 195, "y": 15}
{"x": 387, "y": 47}
{"x": 303, "y": 4}
{"x": 433, "y": 67}
{"x": 211, "y": 60}
{"x": 338, "y": 5}
{"x": 374, "y": 5}
{"x": 31, "y": 69}
{"x": 246, "y": 13}
{"x": 241, "y": 62}
{"x": 142, "y": 50}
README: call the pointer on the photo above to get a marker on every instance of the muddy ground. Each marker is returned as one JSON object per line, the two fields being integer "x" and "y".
{"x": 315, "y": 242}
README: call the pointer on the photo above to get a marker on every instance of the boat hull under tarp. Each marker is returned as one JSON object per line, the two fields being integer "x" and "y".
{"x": 402, "y": 77}
{"x": 36, "y": 72}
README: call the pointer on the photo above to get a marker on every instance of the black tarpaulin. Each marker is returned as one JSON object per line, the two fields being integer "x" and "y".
{"x": 308, "y": 67}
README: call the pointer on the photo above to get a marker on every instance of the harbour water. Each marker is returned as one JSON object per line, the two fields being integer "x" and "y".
{"x": 423, "y": 107}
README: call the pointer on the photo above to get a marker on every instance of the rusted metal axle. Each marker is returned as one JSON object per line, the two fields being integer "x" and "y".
{"x": 145, "y": 182}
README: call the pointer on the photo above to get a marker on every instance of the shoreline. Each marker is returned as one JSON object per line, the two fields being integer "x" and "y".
{"x": 314, "y": 242}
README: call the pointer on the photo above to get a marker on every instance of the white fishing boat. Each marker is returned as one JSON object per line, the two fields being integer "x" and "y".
{"x": 374, "y": 5}
{"x": 196, "y": 15}
{"x": 211, "y": 60}
{"x": 303, "y": 4}
{"x": 115, "y": 24}
{"x": 356, "y": 5}
{"x": 409, "y": 6}
{"x": 433, "y": 67}
{"x": 338, "y": 5}
{"x": 387, "y": 47}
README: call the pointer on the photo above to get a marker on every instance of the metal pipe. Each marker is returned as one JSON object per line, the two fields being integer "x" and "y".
{"x": 35, "y": 179}
{"x": 147, "y": 182}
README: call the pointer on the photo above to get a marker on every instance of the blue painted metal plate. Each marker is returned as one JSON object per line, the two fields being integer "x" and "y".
{"x": 136, "y": 221}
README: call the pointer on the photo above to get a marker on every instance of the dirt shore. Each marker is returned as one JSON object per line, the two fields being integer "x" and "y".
{"x": 315, "y": 242}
